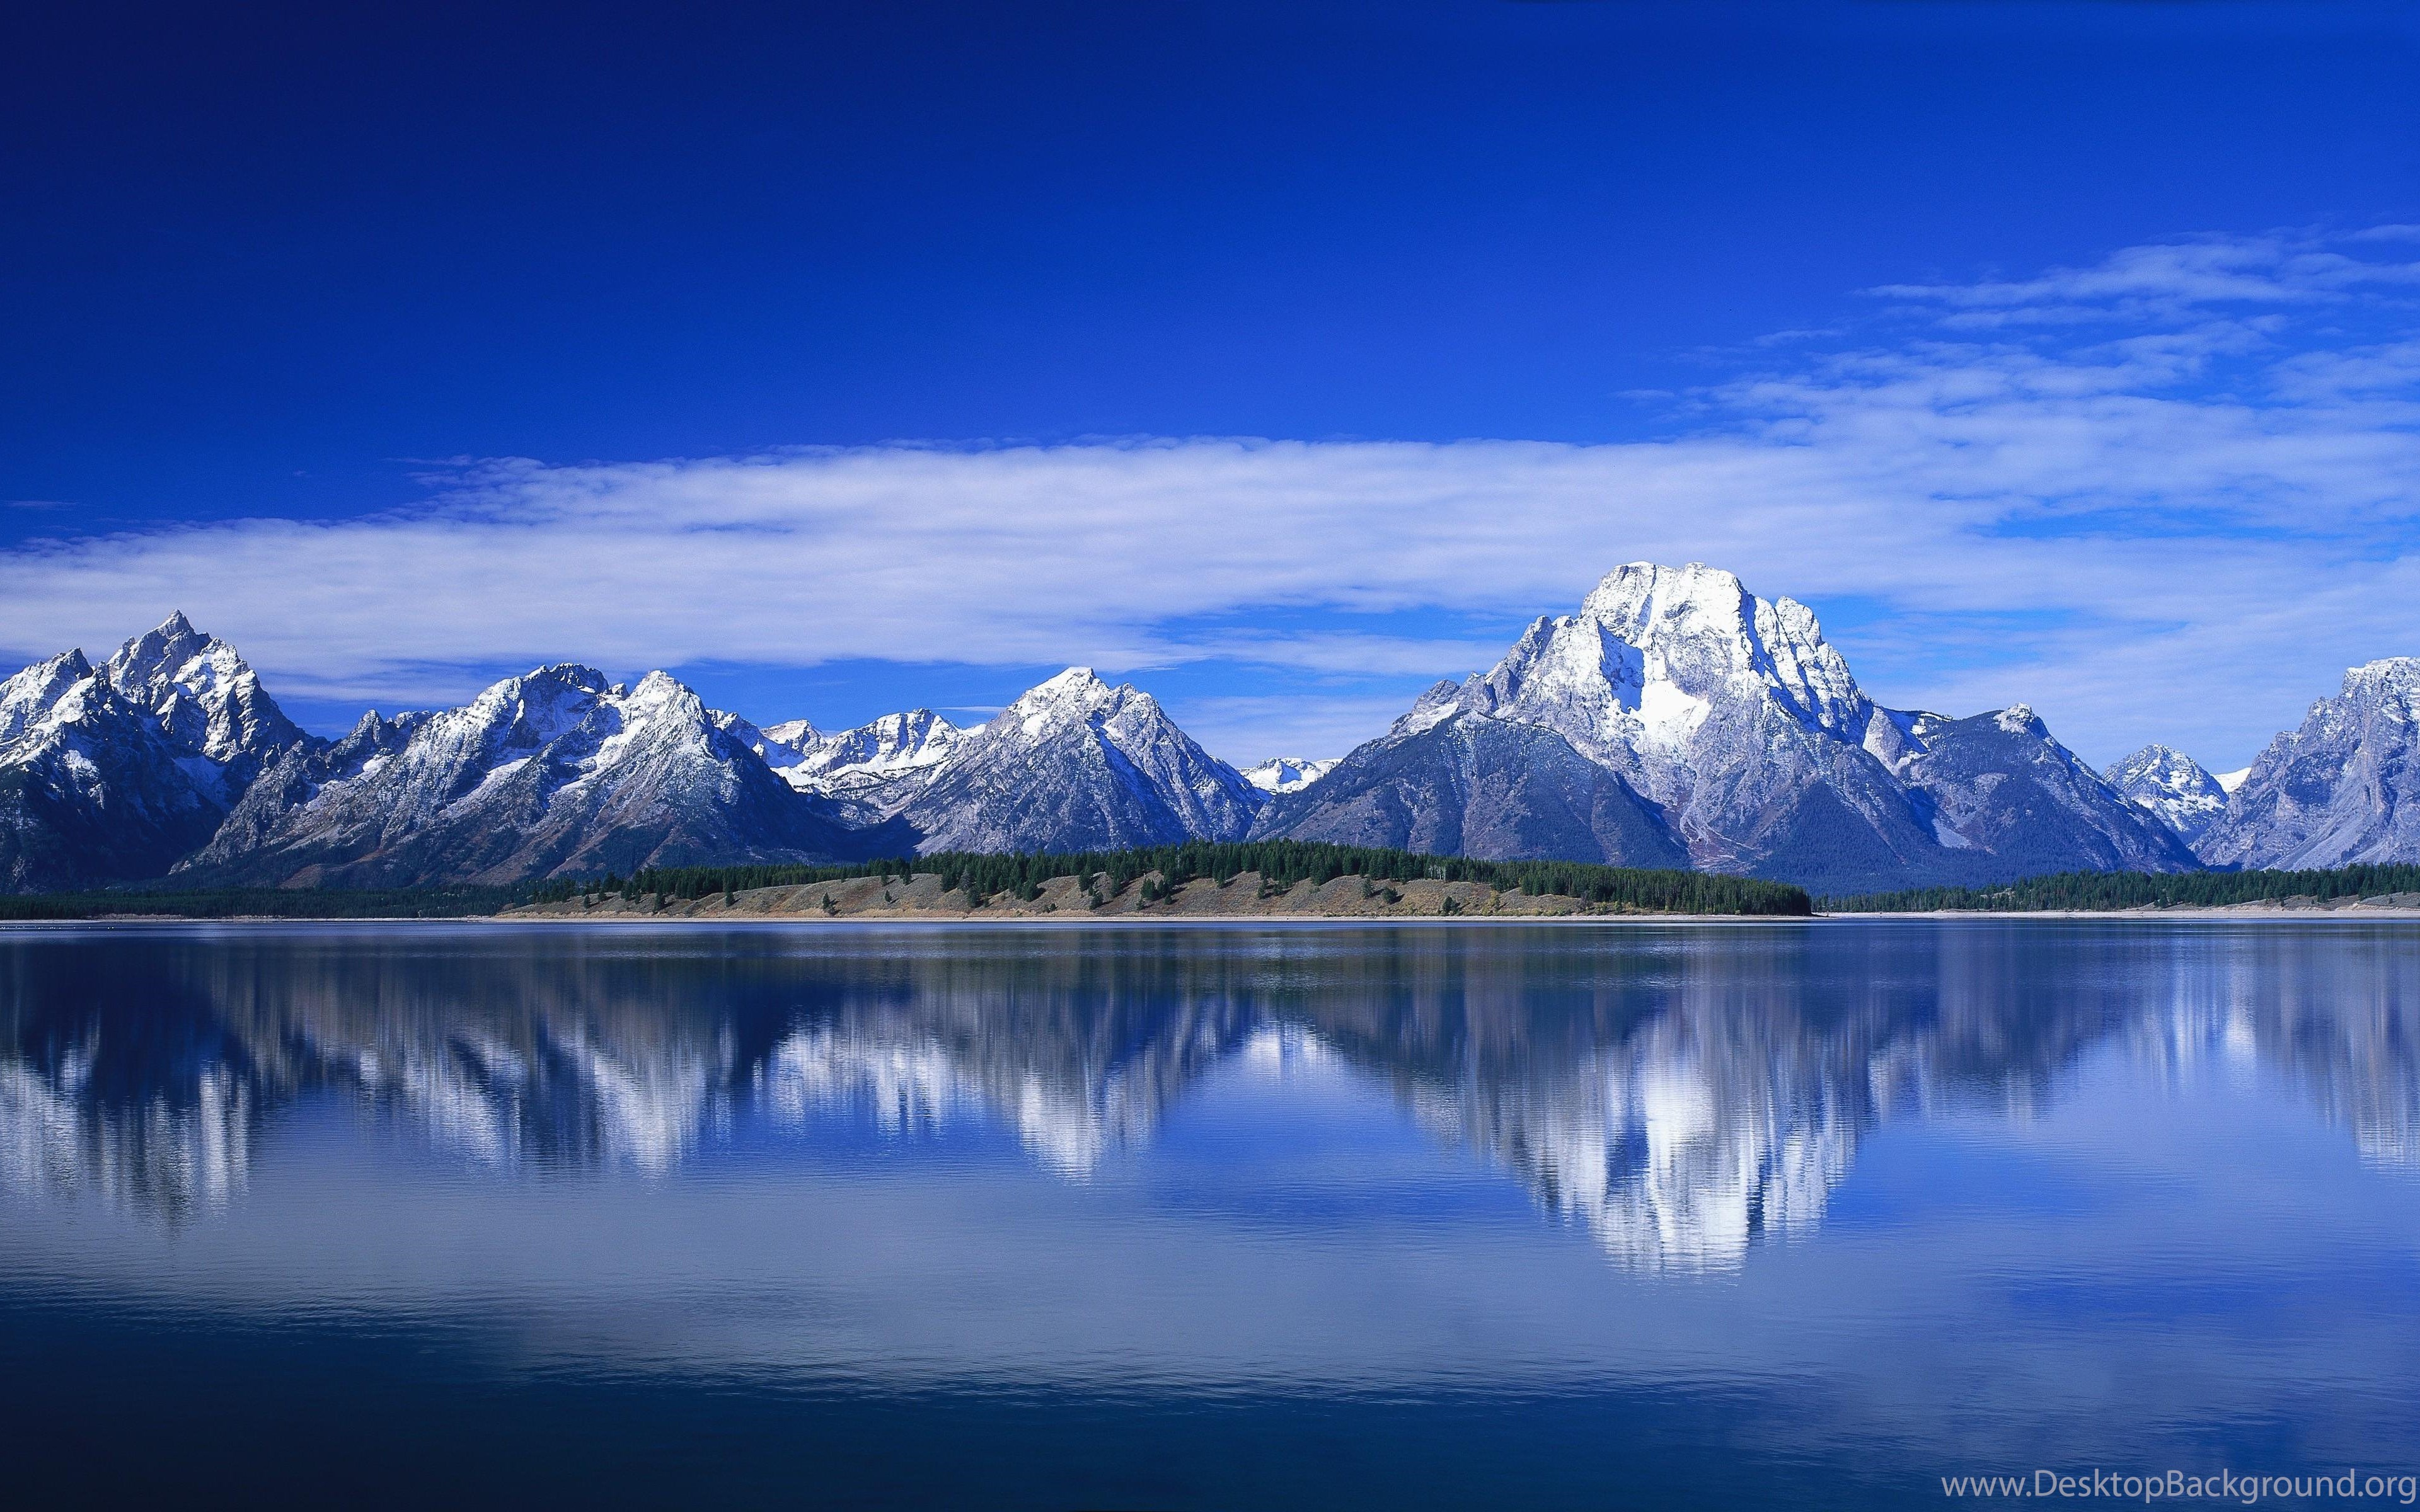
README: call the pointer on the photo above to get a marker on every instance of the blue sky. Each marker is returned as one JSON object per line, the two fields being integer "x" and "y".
{"x": 1281, "y": 358}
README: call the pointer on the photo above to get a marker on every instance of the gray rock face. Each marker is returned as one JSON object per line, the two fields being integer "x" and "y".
{"x": 1469, "y": 785}
{"x": 1999, "y": 783}
{"x": 1748, "y": 745}
{"x": 2341, "y": 789}
{"x": 1077, "y": 764}
{"x": 555, "y": 773}
{"x": 2172, "y": 787}
{"x": 113, "y": 774}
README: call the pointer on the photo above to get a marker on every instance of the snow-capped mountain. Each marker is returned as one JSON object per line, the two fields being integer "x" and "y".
{"x": 112, "y": 773}
{"x": 1288, "y": 773}
{"x": 882, "y": 765}
{"x": 1676, "y": 719}
{"x": 1716, "y": 729}
{"x": 2342, "y": 789}
{"x": 555, "y": 773}
{"x": 204, "y": 694}
{"x": 1077, "y": 764}
{"x": 2172, "y": 787}
{"x": 1999, "y": 783}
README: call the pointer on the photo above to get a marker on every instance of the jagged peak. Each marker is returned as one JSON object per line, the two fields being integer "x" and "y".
{"x": 1434, "y": 705}
{"x": 69, "y": 663}
{"x": 1076, "y": 691}
{"x": 31, "y": 694}
{"x": 1076, "y": 682}
{"x": 658, "y": 687}
{"x": 2398, "y": 673}
{"x": 909, "y": 720}
{"x": 2020, "y": 720}
{"x": 567, "y": 673}
{"x": 2166, "y": 761}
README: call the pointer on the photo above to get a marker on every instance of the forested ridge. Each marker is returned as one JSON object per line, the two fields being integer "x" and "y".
{"x": 1278, "y": 863}
{"x": 2100, "y": 891}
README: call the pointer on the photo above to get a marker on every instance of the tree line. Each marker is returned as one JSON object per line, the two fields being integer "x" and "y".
{"x": 2096, "y": 891}
{"x": 1280, "y": 863}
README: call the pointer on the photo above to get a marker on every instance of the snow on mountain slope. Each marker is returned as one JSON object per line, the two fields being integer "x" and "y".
{"x": 1288, "y": 773}
{"x": 1077, "y": 764}
{"x": 93, "y": 792}
{"x": 1750, "y": 743}
{"x": 204, "y": 695}
{"x": 2006, "y": 789}
{"x": 112, "y": 773}
{"x": 2343, "y": 788}
{"x": 796, "y": 734}
{"x": 555, "y": 773}
{"x": 882, "y": 765}
{"x": 2172, "y": 787}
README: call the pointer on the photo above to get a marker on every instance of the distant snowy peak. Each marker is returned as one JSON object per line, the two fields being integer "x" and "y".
{"x": 1078, "y": 763}
{"x": 1654, "y": 652}
{"x": 556, "y": 772}
{"x": 1698, "y": 628}
{"x": 1073, "y": 696}
{"x": 1679, "y": 718}
{"x": 93, "y": 789}
{"x": 1288, "y": 773}
{"x": 882, "y": 762}
{"x": 28, "y": 699}
{"x": 798, "y": 735}
{"x": 114, "y": 773}
{"x": 2342, "y": 789}
{"x": 2172, "y": 787}
{"x": 2229, "y": 782}
{"x": 201, "y": 692}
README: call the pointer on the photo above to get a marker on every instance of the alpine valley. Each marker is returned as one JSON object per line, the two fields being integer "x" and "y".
{"x": 1675, "y": 720}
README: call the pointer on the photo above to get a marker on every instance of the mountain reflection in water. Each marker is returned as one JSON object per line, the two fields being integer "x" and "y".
{"x": 1685, "y": 1094}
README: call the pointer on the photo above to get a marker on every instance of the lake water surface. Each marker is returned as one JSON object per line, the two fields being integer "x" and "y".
{"x": 1739, "y": 1215}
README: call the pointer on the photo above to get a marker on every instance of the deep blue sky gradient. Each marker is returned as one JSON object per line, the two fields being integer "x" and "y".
{"x": 267, "y": 259}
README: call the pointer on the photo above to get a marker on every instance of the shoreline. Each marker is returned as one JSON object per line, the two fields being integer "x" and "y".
{"x": 2227, "y": 914}
{"x": 2220, "y": 913}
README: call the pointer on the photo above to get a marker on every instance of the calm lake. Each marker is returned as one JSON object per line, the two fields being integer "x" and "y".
{"x": 1738, "y": 1215}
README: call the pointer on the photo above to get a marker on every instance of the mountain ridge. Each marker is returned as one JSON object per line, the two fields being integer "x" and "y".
{"x": 1675, "y": 720}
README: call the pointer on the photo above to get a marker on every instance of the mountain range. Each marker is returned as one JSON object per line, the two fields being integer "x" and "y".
{"x": 1675, "y": 720}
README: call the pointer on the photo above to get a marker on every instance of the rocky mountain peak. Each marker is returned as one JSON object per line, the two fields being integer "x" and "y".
{"x": 31, "y": 694}
{"x": 1437, "y": 701}
{"x": 2394, "y": 680}
{"x": 1656, "y": 651}
{"x": 882, "y": 763}
{"x": 204, "y": 694}
{"x": 2172, "y": 787}
{"x": 1078, "y": 688}
{"x": 2341, "y": 788}
{"x": 1077, "y": 763}
{"x": 1288, "y": 773}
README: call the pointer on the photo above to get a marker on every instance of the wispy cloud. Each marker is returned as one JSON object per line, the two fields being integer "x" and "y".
{"x": 2169, "y": 495}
